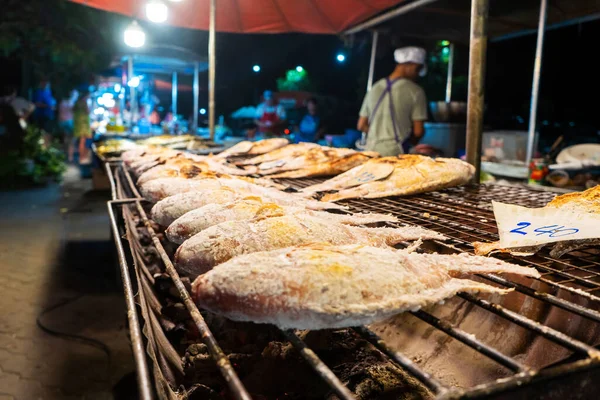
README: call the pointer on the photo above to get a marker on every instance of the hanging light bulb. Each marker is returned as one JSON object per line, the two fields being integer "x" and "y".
{"x": 134, "y": 35}
{"x": 157, "y": 11}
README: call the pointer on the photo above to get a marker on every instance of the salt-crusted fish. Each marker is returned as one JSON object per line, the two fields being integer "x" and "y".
{"x": 323, "y": 287}
{"x": 203, "y": 218}
{"x": 253, "y": 148}
{"x": 171, "y": 208}
{"x": 396, "y": 176}
{"x": 222, "y": 242}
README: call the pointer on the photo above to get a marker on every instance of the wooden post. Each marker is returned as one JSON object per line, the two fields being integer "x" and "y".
{"x": 477, "y": 59}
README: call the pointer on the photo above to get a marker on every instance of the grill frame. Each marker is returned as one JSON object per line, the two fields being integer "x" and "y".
{"x": 467, "y": 200}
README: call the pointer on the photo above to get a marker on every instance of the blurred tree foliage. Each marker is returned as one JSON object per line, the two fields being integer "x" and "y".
{"x": 295, "y": 80}
{"x": 56, "y": 39}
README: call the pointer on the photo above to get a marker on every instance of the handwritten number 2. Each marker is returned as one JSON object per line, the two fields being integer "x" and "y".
{"x": 521, "y": 225}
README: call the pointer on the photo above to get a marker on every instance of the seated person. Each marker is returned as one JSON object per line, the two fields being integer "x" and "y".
{"x": 311, "y": 127}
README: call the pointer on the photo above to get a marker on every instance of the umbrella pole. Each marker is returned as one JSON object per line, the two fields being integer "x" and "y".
{"x": 174, "y": 94}
{"x": 535, "y": 89}
{"x": 132, "y": 93}
{"x": 196, "y": 88}
{"x": 450, "y": 74}
{"x": 211, "y": 70}
{"x": 372, "y": 63}
{"x": 475, "y": 107}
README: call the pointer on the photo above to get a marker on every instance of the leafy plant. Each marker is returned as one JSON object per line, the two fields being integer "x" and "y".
{"x": 35, "y": 162}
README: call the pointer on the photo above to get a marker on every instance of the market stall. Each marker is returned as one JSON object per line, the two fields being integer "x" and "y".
{"x": 534, "y": 340}
{"x": 538, "y": 339}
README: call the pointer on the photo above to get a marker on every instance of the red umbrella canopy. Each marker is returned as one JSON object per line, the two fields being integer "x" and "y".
{"x": 258, "y": 16}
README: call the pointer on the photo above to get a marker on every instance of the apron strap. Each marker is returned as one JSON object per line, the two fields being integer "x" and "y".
{"x": 388, "y": 90}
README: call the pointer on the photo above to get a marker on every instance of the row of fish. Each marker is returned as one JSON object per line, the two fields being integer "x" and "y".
{"x": 261, "y": 254}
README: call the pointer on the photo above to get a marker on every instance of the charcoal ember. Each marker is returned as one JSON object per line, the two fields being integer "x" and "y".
{"x": 200, "y": 367}
{"x": 164, "y": 285}
{"x": 145, "y": 238}
{"x": 282, "y": 373}
{"x": 176, "y": 312}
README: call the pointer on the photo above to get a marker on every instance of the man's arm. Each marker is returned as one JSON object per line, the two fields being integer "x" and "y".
{"x": 363, "y": 119}
{"x": 363, "y": 124}
{"x": 418, "y": 131}
{"x": 419, "y": 116}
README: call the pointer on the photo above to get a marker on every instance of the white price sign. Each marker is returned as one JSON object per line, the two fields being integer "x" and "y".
{"x": 521, "y": 226}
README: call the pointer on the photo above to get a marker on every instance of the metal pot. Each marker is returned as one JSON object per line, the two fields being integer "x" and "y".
{"x": 454, "y": 111}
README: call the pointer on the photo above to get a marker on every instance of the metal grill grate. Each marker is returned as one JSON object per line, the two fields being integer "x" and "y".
{"x": 464, "y": 215}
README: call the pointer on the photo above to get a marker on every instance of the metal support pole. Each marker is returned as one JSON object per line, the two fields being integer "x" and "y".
{"x": 401, "y": 9}
{"x": 211, "y": 69}
{"x": 535, "y": 89}
{"x": 372, "y": 63}
{"x": 174, "y": 94}
{"x": 450, "y": 73}
{"x": 477, "y": 59}
{"x": 196, "y": 89}
{"x": 132, "y": 93}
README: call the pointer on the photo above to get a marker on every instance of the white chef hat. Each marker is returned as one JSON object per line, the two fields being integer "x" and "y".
{"x": 412, "y": 54}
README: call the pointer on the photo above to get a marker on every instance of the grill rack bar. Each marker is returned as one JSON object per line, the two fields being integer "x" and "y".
{"x": 543, "y": 330}
{"x": 319, "y": 366}
{"x": 442, "y": 392}
{"x": 471, "y": 341}
{"x": 231, "y": 378}
{"x": 555, "y": 301}
{"x": 432, "y": 383}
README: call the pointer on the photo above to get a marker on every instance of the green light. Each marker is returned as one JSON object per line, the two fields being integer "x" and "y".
{"x": 445, "y": 43}
{"x": 445, "y": 51}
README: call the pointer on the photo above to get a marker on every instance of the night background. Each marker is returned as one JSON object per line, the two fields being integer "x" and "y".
{"x": 69, "y": 43}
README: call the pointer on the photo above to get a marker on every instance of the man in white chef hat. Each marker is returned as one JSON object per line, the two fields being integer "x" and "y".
{"x": 394, "y": 111}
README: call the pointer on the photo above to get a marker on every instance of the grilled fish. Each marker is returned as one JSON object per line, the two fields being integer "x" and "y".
{"x": 586, "y": 202}
{"x": 203, "y": 218}
{"x": 403, "y": 175}
{"x": 158, "y": 189}
{"x": 318, "y": 161}
{"x": 222, "y": 242}
{"x": 325, "y": 287}
{"x": 253, "y": 148}
{"x": 288, "y": 152}
{"x": 171, "y": 208}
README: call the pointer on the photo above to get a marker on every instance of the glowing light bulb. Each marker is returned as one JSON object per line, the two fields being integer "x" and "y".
{"x": 134, "y": 35}
{"x": 157, "y": 11}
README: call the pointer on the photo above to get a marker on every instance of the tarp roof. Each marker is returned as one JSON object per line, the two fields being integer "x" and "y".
{"x": 259, "y": 16}
{"x": 450, "y": 19}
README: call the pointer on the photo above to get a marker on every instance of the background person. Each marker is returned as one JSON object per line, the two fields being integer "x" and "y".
{"x": 394, "y": 111}
{"x": 22, "y": 107}
{"x": 45, "y": 104}
{"x": 82, "y": 130}
{"x": 270, "y": 116}
{"x": 311, "y": 127}
{"x": 65, "y": 121}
